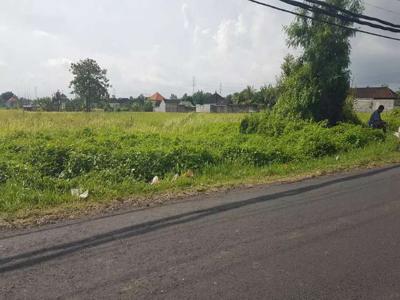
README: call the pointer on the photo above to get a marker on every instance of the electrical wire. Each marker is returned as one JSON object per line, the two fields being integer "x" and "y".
{"x": 325, "y": 22}
{"x": 356, "y": 15}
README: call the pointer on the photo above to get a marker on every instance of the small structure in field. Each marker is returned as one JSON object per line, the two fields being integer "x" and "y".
{"x": 370, "y": 98}
{"x": 156, "y": 99}
{"x": 30, "y": 107}
{"x": 218, "y": 104}
{"x": 168, "y": 105}
{"x": 174, "y": 106}
{"x": 214, "y": 104}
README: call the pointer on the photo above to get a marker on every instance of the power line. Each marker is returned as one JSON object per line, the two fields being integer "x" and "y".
{"x": 325, "y": 22}
{"x": 338, "y": 16}
{"x": 353, "y": 14}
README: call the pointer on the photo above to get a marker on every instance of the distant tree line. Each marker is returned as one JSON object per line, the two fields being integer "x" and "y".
{"x": 90, "y": 87}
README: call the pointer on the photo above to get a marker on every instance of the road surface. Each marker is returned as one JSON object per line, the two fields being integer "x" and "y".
{"x": 335, "y": 237}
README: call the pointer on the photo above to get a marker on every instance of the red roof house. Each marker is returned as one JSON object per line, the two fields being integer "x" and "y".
{"x": 157, "y": 98}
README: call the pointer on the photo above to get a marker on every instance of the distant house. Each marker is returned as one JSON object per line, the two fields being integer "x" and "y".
{"x": 175, "y": 106}
{"x": 156, "y": 99}
{"x": 167, "y": 105}
{"x": 30, "y": 107}
{"x": 213, "y": 104}
{"x": 186, "y": 106}
{"x": 218, "y": 104}
{"x": 370, "y": 98}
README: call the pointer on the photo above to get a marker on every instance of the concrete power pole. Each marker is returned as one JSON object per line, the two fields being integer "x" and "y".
{"x": 194, "y": 85}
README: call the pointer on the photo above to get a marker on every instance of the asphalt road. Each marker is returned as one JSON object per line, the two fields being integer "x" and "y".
{"x": 334, "y": 237}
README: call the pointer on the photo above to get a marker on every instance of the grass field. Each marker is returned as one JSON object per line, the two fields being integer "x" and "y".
{"x": 115, "y": 155}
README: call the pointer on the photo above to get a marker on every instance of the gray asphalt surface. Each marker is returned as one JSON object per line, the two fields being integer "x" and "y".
{"x": 334, "y": 237}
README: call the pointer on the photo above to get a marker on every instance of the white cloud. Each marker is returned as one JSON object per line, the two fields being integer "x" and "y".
{"x": 56, "y": 62}
{"x": 43, "y": 34}
{"x": 186, "y": 22}
{"x": 159, "y": 45}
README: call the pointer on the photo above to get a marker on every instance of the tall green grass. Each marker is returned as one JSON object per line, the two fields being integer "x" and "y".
{"x": 115, "y": 155}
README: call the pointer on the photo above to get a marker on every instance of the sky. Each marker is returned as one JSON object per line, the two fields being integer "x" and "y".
{"x": 166, "y": 45}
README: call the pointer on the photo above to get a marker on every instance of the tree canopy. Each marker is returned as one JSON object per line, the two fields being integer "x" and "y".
{"x": 90, "y": 82}
{"x": 316, "y": 84}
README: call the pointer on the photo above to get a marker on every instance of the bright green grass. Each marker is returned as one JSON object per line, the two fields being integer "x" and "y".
{"x": 115, "y": 155}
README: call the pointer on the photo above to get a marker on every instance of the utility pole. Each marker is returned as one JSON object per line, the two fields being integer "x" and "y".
{"x": 194, "y": 84}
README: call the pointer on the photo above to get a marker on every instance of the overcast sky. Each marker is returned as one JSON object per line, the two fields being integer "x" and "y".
{"x": 159, "y": 45}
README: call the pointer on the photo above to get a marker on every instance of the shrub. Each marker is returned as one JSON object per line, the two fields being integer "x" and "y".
{"x": 4, "y": 172}
{"x": 393, "y": 119}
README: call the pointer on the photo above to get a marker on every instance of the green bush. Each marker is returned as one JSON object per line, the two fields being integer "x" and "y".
{"x": 42, "y": 166}
{"x": 393, "y": 119}
{"x": 4, "y": 173}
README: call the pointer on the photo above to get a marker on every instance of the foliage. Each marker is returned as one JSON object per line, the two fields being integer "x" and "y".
{"x": 266, "y": 96}
{"x": 316, "y": 83}
{"x": 45, "y": 103}
{"x": 59, "y": 100}
{"x": 45, "y": 155}
{"x": 90, "y": 82}
{"x": 393, "y": 119}
{"x": 4, "y": 97}
{"x": 200, "y": 97}
{"x": 76, "y": 104}
{"x": 305, "y": 139}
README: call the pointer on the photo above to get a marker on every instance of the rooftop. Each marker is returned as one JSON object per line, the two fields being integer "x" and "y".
{"x": 157, "y": 97}
{"x": 374, "y": 93}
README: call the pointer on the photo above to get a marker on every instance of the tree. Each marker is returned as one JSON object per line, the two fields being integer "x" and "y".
{"x": 59, "y": 100}
{"x": 45, "y": 104}
{"x": 173, "y": 97}
{"x": 90, "y": 82}
{"x": 200, "y": 97}
{"x": 4, "y": 97}
{"x": 76, "y": 104}
{"x": 316, "y": 84}
{"x": 187, "y": 98}
{"x": 267, "y": 96}
{"x": 247, "y": 96}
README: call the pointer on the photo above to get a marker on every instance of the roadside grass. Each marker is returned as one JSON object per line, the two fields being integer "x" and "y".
{"x": 45, "y": 155}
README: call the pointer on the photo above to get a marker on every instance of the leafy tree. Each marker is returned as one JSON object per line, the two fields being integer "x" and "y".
{"x": 267, "y": 96}
{"x": 76, "y": 104}
{"x": 45, "y": 103}
{"x": 173, "y": 97}
{"x": 247, "y": 96}
{"x": 90, "y": 82}
{"x": 4, "y": 97}
{"x": 187, "y": 98}
{"x": 199, "y": 98}
{"x": 315, "y": 85}
{"x": 148, "y": 106}
{"x": 58, "y": 101}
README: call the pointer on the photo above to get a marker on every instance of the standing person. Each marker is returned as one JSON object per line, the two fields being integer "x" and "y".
{"x": 376, "y": 120}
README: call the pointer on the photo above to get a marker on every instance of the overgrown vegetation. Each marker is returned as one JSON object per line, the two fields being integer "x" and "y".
{"x": 315, "y": 84}
{"x": 45, "y": 155}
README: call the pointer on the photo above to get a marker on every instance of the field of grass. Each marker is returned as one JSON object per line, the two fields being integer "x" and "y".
{"x": 115, "y": 155}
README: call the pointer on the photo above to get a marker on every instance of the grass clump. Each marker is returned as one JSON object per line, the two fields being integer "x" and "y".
{"x": 45, "y": 155}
